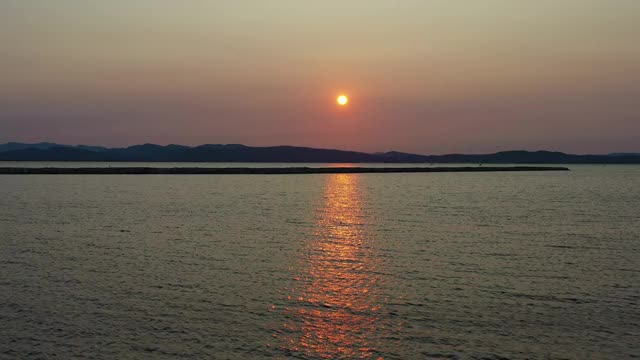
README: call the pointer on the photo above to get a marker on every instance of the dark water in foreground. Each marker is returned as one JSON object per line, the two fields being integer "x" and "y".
{"x": 393, "y": 266}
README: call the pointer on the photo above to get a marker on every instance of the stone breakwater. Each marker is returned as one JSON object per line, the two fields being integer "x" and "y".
{"x": 261, "y": 171}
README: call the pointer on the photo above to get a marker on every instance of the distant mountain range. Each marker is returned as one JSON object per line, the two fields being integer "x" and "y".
{"x": 243, "y": 153}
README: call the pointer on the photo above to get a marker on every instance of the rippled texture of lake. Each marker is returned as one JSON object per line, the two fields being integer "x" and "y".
{"x": 392, "y": 266}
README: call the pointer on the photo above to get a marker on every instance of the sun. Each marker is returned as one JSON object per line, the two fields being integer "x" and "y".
{"x": 342, "y": 100}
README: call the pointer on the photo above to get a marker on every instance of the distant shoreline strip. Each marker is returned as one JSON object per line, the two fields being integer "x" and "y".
{"x": 262, "y": 171}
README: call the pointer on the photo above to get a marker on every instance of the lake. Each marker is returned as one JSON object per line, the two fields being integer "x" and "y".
{"x": 394, "y": 266}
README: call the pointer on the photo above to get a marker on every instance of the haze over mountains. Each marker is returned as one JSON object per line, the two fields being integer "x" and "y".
{"x": 243, "y": 153}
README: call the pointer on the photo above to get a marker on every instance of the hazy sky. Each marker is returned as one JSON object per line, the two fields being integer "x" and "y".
{"x": 427, "y": 76}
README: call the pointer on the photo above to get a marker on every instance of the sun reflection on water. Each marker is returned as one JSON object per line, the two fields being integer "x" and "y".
{"x": 333, "y": 310}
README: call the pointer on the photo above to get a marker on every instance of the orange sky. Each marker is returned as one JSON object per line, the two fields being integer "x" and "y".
{"x": 423, "y": 76}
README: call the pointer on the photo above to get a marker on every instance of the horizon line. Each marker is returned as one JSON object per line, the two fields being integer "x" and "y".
{"x": 630, "y": 153}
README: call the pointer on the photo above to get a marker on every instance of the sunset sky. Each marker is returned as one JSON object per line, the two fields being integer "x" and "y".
{"x": 425, "y": 76}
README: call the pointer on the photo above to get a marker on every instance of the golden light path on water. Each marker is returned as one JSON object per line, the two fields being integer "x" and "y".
{"x": 334, "y": 309}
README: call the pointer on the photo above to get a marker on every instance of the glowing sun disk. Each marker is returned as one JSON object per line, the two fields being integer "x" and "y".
{"x": 342, "y": 100}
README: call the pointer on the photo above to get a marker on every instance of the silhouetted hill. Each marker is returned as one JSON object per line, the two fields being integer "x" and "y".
{"x": 624, "y": 154}
{"x": 178, "y": 153}
{"x": 56, "y": 153}
{"x": 11, "y": 146}
{"x": 242, "y": 153}
{"x": 395, "y": 156}
{"x": 533, "y": 157}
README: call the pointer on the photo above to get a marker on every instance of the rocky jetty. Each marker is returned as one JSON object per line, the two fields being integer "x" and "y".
{"x": 259, "y": 170}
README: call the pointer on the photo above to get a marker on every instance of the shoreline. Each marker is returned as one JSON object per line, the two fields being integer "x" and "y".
{"x": 263, "y": 171}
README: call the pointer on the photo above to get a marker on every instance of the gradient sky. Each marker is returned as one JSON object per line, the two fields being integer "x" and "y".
{"x": 426, "y": 76}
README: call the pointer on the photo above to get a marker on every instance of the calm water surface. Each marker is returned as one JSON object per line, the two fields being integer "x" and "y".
{"x": 391, "y": 266}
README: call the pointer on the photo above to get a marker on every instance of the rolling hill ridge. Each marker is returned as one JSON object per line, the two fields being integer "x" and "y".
{"x": 292, "y": 154}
